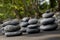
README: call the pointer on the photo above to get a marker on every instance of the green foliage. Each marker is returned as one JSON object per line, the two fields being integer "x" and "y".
{"x": 43, "y": 7}
{"x": 24, "y": 8}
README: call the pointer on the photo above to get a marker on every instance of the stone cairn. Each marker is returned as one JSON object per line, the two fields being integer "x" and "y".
{"x": 11, "y": 28}
{"x": 29, "y": 25}
{"x": 48, "y": 22}
{"x": 16, "y": 27}
{"x": 24, "y": 23}
{"x": 33, "y": 26}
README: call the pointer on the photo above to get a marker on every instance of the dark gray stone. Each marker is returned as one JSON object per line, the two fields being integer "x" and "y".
{"x": 46, "y": 21}
{"x": 47, "y": 15}
{"x": 11, "y": 22}
{"x": 48, "y": 27}
{"x": 25, "y": 19}
{"x": 14, "y": 22}
{"x": 33, "y": 21}
{"x": 6, "y": 23}
{"x": 33, "y": 26}
{"x": 23, "y": 30}
{"x": 17, "y": 33}
{"x": 24, "y": 24}
{"x": 10, "y": 28}
{"x": 30, "y": 31}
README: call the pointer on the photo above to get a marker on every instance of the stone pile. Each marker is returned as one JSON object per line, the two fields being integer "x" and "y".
{"x": 48, "y": 21}
{"x": 24, "y": 23}
{"x": 33, "y": 26}
{"x": 29, "y": 25}
{"x": 11, "y": 28}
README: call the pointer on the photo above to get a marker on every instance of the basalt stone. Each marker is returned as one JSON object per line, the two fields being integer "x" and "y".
{"x": 11, "y": 22}
{"x": 33, "y": 26}
{"x": 23, "y": 30}
{"x": 10, "y": 34}
{"x": 3, "y": 32}
{"x": 47, "y": 21}
{"x": 33, "y": 21}
{"x": 14, "y": 22}
{"x": 48, "y": 27}
{"x": 24, "y": 24}
{"x": 25, "y": 19}
{"x": 10, "y": 28}
{"x": 47, "y": 15}
{"x": 6, "y": 23}
{"x": 32, "y": 31}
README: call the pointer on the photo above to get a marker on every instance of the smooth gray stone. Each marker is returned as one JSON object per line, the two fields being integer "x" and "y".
{"x": 9, "y": 34}
{"x": 14, "y": 22}
{"x": 46, "y": 21}
{"x": 49, "y": 27}
{"x": 33, "y": 21}
{"x": 23, "y": 29}
{"x": 2, "y": 30}
{"x": 11, "y": 22}
{"x": 25, "y": 19}
{"x": 47, "y": 15}
{"x": 6, "y": 23}
{"x": 32, "y": 26}
{"x": 10, "y": 28}
{"x": 30, "y": 31}
{"x": 24, "y": 24}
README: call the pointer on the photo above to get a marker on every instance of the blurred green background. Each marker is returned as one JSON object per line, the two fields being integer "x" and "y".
{"x": 10, "y": 9}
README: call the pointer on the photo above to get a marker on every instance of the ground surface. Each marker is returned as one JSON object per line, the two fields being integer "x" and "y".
{"x": 47, "y": 35}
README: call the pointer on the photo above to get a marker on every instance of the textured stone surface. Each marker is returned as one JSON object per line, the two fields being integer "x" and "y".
{"x": 32, "y": 26}
{"x": 46, "y": 21}
{"x": 39, "y": 36}
{"x": 16, "y": 33}
{"x": 33, "y": 21}
{"x": 47, "y": 15}
{"x": 24, "y": 24}
{"x": 10, "y": 28}
{"x": 25, "y": 19}
{"x": 49, "y": 27}
{"x": 29, "y": 31}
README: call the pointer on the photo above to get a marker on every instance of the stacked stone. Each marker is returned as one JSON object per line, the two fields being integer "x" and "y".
{"x": 11, "y": 22}
{"x": 33, "y": 26}
{"x": 11, "y": 28}
{"x": 48, "y": 22}
{"x": 24, "y": 23}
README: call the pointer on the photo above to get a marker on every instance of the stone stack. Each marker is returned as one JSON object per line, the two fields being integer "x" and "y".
{"x": 24, "y": 23}
{"x": 11, "y": 28}
{"x": 11, "y": 22}
{"x": 33, "y": 26}
{"x": 48, "y": 22}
